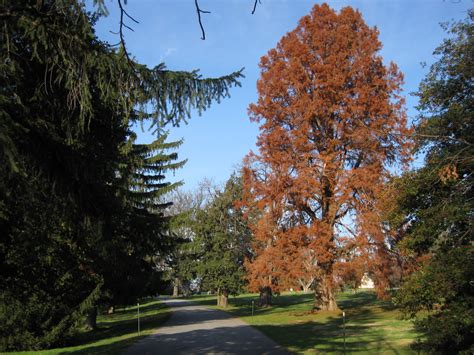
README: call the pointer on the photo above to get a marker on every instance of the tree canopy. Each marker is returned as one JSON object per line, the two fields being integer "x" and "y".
{"x": 331, "y": 122}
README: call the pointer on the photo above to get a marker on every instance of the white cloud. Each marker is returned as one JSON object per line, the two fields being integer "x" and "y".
{"x": 169, "y": 51}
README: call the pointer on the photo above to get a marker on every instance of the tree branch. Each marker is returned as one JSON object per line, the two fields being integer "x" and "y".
{"x": 351, "y": 232}
{"x": 199, "y": 11}
{"x": 444, "y": 138}
{"x": 420, "y": 135}
{"x": 123, "y": 25}
{"x": 255, "y": 5}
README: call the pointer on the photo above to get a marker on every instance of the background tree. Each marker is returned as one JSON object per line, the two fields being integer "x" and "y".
{"x": 332, "y": 120}
{"x": 181, "y": 263}
{"x": 349, "y": 272}
{"x": 222, "y": 240}
{"x": 434, "y": 209}
{"x": 67, "y": 103}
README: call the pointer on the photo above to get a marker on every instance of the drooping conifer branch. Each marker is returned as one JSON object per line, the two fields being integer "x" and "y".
{"x": 174, "y": 94}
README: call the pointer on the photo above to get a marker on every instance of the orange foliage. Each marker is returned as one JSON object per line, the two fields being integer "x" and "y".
{"x": 331, "y": 121}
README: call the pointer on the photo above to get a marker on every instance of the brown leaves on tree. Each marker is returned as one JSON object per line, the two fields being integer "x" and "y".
{"x": 331, "y": 123}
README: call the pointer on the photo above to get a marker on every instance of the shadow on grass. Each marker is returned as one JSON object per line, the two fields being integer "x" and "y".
{"x": 130, "y": 311}
{"x": 327, "y": 335}
{"x": 243, "y": 304}
{"x": 359, "y": 299}
{"x": 111, "y": 348}
{"x": 364, "y": 333}
{"x": 119, "y": 324}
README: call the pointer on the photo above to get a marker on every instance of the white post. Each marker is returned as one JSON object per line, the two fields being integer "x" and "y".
{"x": 344, "y": 326}
{"x": 138, "y": 317}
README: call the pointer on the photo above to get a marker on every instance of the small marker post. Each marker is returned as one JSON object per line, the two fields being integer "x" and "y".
{"x": 253, "y": 306}
{"x": 344, "y": 329}
{"x": 138, "y": 317}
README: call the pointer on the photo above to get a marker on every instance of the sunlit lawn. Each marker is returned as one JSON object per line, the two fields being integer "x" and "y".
{"x": 116, "y": 331}
{"x": 372, "y": 326}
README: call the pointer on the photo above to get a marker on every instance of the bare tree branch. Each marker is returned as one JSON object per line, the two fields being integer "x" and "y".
{"x": 123, "y": 25}
{"x": 255, "y": 5}
{"x": 347, "y": 228}
{"x": 199, "y": 11}
{"x": 124, "y": 13}
{"x": 130, "y": 17}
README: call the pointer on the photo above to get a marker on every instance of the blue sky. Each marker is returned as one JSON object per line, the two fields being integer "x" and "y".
{"x": 216, "y": 142}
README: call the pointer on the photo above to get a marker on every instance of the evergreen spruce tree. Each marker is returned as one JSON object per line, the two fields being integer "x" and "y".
{"x": 434, "y": 210}
{"x": 71, "y": 200}
{"x": 181, "y": 265}
{"x": 139, "y": 229}
{"x": 222, "y": 240}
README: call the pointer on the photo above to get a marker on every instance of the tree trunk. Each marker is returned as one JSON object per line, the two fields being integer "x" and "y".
{"x": 224, "y": 301}
{"x": 91, "y": 319}
{"x": 222, "y": 298}
{"x": 324, "y": 295}
{"x": 176, "y": 287}
{"x": 307, "y": 286}
{"x": 265, "y": 299}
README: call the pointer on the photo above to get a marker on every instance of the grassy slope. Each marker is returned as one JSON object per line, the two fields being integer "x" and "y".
{"x": 372, "y": 326}
{"x": 116, "y": 331}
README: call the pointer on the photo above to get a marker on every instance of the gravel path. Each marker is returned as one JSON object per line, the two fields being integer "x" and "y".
{"x": 194, "y": 329}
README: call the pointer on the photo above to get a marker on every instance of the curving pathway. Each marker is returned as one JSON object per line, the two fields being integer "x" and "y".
{"x": 194, "y": 329}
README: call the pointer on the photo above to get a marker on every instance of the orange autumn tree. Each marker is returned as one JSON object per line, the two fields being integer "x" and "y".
{"x": 332, "y": 122}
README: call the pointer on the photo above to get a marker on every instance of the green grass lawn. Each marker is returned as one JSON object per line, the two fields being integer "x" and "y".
{"x": 372, "y": 326}
{"x": 116, "y": 331}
